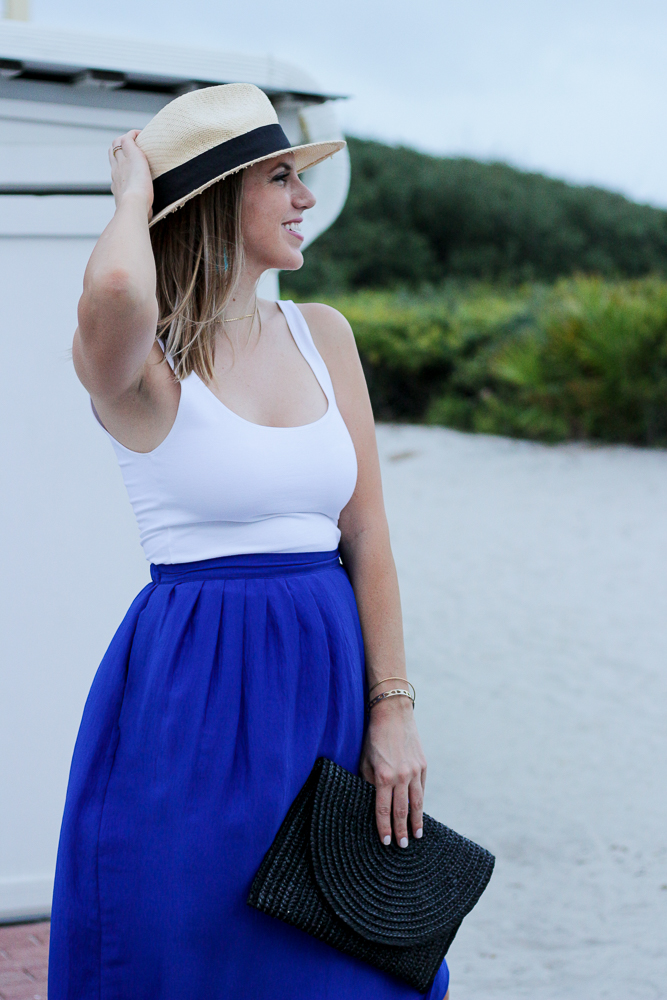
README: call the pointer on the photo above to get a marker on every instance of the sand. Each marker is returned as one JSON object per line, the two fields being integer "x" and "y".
{"x": 534, "y": 586}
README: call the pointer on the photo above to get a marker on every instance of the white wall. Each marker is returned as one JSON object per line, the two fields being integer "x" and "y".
{"x": 71, "y": 562}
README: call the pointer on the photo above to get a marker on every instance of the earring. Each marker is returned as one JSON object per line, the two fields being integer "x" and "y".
{"x": 225, "y": 263}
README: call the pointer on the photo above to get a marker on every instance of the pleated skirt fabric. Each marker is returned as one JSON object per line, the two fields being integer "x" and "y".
{"x": 223, "y": 684}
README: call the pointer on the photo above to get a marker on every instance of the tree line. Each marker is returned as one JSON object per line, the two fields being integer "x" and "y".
{"x": 412, "y": 220}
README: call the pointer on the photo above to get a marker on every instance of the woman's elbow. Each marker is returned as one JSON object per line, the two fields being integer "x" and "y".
{"x": 114, "y": 299}
{"x": 116, "y": 289}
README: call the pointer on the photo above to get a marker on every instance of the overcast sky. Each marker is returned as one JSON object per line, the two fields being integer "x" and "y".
{"x": 574, "y": 88}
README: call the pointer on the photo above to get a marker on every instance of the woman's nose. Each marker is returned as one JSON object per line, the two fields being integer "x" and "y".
{"x": 304, "y": 197}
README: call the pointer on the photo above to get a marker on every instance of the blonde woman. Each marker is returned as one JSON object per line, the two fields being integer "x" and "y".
{"x": 245, "y": 437}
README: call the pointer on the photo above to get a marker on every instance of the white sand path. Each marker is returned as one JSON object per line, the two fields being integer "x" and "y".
{"x": 534, "y": 584}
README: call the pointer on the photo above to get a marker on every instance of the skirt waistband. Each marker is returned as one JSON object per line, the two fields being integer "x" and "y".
{"x": 252, "y": 564}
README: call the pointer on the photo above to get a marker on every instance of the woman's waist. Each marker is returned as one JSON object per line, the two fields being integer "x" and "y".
{"x": 183, "y": 539}
{"x": 249, "y": 564}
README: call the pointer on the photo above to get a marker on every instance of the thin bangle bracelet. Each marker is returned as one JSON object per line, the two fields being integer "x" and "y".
{"x": 391, "y": 694}
{"x": 404, "y": 679}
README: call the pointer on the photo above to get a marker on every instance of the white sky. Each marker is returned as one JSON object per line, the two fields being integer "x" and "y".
{"x": 574, "y": 88}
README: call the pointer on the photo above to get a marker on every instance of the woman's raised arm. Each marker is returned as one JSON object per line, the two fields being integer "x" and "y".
{"x": 118, "y": 307}
{"x": 118, "y": 313}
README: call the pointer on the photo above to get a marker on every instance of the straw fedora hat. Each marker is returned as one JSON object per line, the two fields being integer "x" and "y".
{"x": 207, "y": 134}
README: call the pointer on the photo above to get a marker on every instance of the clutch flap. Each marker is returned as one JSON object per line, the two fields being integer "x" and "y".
{"x": 391, "y": 895}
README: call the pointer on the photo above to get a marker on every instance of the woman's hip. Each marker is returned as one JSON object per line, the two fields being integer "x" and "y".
{"x": 243, "y": 665}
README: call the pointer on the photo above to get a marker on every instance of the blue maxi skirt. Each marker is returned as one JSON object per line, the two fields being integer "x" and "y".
{"x": 223, "y": 684}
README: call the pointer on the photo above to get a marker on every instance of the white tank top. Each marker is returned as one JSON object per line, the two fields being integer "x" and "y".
{"x": 220, "y": 485}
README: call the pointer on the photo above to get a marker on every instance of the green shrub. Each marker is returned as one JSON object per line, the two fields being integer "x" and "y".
{"x": 582, "y": 359}
{"x": 595, "y": 362}
{"x": 411, "y": 219}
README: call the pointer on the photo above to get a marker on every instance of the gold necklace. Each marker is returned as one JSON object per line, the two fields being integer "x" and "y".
{"x": 234, "y": 319}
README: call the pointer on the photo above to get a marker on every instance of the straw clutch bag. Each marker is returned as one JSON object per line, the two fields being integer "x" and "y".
{"x": 396, "y": 908}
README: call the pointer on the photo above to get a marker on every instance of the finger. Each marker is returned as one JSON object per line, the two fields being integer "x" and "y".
{"x": 400, "y": 812}
{"x": 366, "y": 771}
{"x": 129, "y": 148}
{"x": 416, "y": 797}
{"x": 128, "y": 141}
{"x": 383, "y": 812}
{"x": 114, "y": 146}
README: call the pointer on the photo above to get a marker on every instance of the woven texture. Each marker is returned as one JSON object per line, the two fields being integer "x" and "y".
{"x": 194, "y": 122}
{"x": 397, "y": 908}
{"x": 197, "y": 122}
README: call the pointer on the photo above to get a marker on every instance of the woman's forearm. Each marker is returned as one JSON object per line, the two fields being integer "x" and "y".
{"x": 392, "y": 758}
{"x": 123, "y": 251}
{"x": 372, "y": 571}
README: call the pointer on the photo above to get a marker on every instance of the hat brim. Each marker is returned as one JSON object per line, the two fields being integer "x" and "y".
{"x": 306, "y": 156}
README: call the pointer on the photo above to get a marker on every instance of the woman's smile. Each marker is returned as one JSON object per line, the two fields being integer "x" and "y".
{"x": 293, "y": 227}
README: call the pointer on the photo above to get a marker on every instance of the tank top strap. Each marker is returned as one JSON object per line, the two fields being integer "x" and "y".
{"x": 304, "y": 341}
{"x": 168, "y": 357}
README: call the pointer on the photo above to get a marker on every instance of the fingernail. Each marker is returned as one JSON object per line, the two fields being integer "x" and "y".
{"x": 419, "y": 834}
{"x": 386, "y": 841}
{"x": 403, "y": 841}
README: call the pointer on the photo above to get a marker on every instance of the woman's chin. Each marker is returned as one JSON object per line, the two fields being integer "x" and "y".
{"x": 290, "y": 262}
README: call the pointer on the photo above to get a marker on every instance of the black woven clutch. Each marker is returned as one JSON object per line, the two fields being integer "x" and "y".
{"x": 397, "y": 908}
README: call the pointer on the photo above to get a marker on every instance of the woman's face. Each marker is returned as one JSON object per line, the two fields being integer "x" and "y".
{"x": 274, "y": 200}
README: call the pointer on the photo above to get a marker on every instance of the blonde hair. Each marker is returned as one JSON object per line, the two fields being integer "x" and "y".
{"x": 199, "y": 257}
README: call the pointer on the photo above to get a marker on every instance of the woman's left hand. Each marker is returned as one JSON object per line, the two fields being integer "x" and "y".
{"x": 393, "y": 760}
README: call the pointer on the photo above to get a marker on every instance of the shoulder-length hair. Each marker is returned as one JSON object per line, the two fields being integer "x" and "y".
{"x": 198, "y": 256}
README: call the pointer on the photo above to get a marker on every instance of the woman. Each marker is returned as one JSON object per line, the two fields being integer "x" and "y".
{"x": 245, "y": 435}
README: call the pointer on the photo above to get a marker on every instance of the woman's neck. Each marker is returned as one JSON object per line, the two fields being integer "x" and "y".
{"x": 244, "y": 298}
{"x": 241, "y": 327}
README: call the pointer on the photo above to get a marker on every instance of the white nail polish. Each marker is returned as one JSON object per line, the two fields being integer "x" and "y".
{"x": 403, "y": 841}
{"x": 387, "y": 841}
{"x": 419, "y": 834}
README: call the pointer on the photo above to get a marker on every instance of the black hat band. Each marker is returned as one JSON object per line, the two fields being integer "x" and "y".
{"x": 188, "y": 177}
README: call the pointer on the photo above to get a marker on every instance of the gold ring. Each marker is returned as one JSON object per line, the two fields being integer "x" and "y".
{"x": 115, "y": 148}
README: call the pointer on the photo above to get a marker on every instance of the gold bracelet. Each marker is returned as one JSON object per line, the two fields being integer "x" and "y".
{"x": 404, "y": 679}
{"x": 391, "y": 694}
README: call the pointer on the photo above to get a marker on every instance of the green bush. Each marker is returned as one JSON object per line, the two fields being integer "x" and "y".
{"x": 584, "y": 359}
{"x": 412, "y": 219}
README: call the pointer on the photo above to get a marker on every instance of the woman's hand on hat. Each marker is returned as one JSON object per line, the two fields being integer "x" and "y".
{"x": 130, "y": 173}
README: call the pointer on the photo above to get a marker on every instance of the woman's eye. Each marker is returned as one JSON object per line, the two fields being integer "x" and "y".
{"x": 281, "y": 177}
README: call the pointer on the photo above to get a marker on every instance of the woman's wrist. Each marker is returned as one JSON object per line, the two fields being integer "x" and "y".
{"x": 391, "y": 708}
{"x": 386, "y": 680}
{"x": 135, "y": 201}
{"x": 390, "y": 688}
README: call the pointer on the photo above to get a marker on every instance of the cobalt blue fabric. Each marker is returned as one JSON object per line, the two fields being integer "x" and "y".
{"x": 223, "y": 684}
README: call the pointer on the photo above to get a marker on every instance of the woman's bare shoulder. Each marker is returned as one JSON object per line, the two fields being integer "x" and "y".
{"x": 331, "y": 332}
{"x": 335, "y": 341}
{"x": 324, "y": 316}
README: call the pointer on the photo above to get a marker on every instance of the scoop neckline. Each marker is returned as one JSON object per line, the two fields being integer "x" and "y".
{"x": 267, "y": 427}
{"x": 281, "y": 427}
